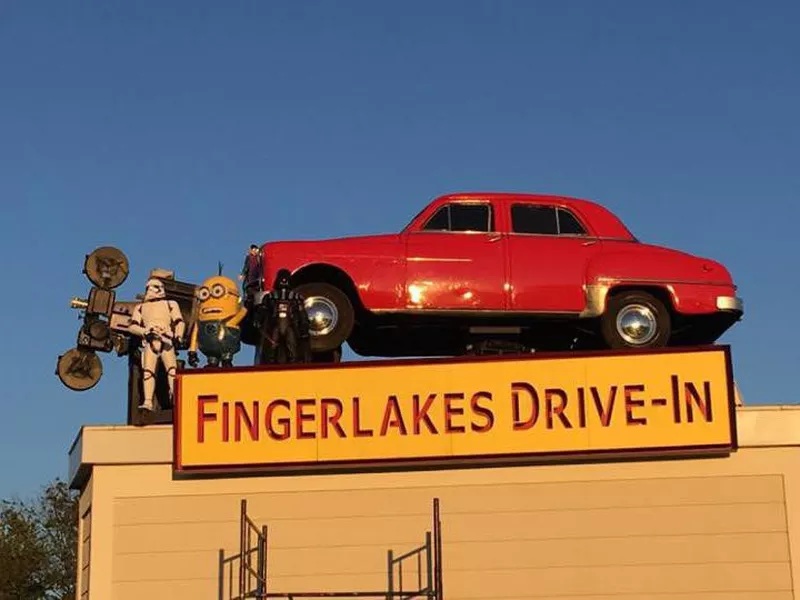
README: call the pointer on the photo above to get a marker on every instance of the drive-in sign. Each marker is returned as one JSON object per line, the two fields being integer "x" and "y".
{"x": 457, "y": 412}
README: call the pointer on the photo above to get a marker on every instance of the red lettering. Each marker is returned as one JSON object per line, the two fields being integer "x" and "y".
{"x": 484, "y": 412}
{"x": 604, "y": 412}
{"x": 392, "y": 417}
{"x": 240, "y": 414}
{"x": 421, "y": 414}
{"x": 691, "y": 394}
{"x": 676, "y": 406}
{"x": 303, "y": 417}
{"x": 226, "y": 421}
{"x": 203, "y": 416}
{"x": 556, "y": 410}
{"x": 450, "y": 410}
{"x": 516, "y": 388}
{"x": 332, "y": 420}
{"x": 581, "y": 407}
{"x": 630, "y": 403}
{"x": 357, "y": 431}
{"x": 285, "y": 423}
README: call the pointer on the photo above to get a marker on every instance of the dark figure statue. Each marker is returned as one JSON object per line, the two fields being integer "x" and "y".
{"x": 252, "y": 273}
{"x": 282, "y": 320}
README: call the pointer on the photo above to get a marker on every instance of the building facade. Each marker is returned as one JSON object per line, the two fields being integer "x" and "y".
{"x": 678, "y": 528}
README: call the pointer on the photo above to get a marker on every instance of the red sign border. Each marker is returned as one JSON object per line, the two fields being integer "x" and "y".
{"x": 462, "y": 461}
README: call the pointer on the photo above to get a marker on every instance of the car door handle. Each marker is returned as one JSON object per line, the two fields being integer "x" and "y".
{"x": 589, "y": 243}
{"x": 495, "y": 238}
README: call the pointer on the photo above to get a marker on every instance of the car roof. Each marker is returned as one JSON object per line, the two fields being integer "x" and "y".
{"x": 603, "y": 221}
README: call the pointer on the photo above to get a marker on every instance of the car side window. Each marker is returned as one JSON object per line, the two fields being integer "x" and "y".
{"x": 470, "y": 217}
{"x": 568, "y": 224}
{"x": 534, "y": 218}
{"x": 461, "y": 217}
{"x": 440, "y": 221}
{"x": 544, "y": 220}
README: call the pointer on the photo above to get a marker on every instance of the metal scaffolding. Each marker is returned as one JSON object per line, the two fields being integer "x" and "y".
{"x": 250, "y": 564}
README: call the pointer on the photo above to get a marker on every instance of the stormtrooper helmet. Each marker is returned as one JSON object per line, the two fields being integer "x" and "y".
{"x": 154, "y": 289}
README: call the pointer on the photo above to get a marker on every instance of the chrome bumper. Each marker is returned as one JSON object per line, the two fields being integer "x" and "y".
{"x": 730, "y": 303}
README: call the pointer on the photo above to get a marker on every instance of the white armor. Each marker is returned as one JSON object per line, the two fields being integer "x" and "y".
{"x": 159, "y": 323}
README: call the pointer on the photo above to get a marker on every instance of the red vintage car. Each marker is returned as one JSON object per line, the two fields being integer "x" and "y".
{"x": 549, "y": 272}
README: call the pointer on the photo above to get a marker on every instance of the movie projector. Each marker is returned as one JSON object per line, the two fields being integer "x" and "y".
{"x": 104, "y": 320}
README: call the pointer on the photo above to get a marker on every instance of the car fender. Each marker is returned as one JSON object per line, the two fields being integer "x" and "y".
{"x": 649, "y": 268}
{"x": 373, "y": 265}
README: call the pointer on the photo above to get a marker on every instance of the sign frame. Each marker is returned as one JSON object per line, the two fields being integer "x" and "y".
{"x": 580, "y": 455}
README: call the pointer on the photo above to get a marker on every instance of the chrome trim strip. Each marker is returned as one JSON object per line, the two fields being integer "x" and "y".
{"x": 572, "y": 236}
{"x": 595, "y": 300}
{"x": 550, "y": 236}
{"x": 422, "y": 259}
{"x": 664, "y": 281}
{"x": 596, "y": 296}
{"x": 446, "y": 232}
{"x": 517, "y": 234}
{"x": 730, "y": 303}
{"x": 471, "y": 312}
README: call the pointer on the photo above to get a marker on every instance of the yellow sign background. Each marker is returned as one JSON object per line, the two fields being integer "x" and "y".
{"x": 624, "y": 402}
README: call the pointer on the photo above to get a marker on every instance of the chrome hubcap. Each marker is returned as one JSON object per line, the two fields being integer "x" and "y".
{"x": 637, "y": 324}
{"x": 322, "y": 315}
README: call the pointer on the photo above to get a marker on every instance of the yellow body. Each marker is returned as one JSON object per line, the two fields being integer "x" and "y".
{"x": 457, "y": 411}
{"x": 219, "y": 301}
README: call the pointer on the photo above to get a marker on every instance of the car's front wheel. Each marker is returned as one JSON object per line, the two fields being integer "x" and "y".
{"x": 330, "y": 314}
{"x": 636, "y": 319}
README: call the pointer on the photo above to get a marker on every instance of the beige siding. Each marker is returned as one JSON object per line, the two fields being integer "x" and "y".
{"x": 687, "y": 538}
{"x": 84, "y": 553}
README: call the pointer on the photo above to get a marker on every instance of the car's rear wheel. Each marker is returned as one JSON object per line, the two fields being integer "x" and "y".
{"x": 636, "y": 319}
{"x": 330, "y": 314}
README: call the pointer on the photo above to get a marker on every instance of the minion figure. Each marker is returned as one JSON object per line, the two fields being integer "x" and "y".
{"x": 216, "y": 331}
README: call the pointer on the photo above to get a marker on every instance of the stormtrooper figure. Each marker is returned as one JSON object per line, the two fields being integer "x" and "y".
{"x": 159, "y": 323}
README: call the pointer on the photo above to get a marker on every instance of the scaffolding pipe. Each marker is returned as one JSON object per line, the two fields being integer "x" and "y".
{"x": 242, "y": 546}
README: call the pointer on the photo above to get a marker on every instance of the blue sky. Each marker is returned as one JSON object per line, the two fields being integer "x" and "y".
{"x": 183, "y": 131}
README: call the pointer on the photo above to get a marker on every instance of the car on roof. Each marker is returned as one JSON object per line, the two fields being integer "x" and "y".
{"x": 548, "y": 272}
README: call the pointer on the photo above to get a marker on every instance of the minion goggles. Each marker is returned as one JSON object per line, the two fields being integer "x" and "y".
{"x": 217, "y": 291}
